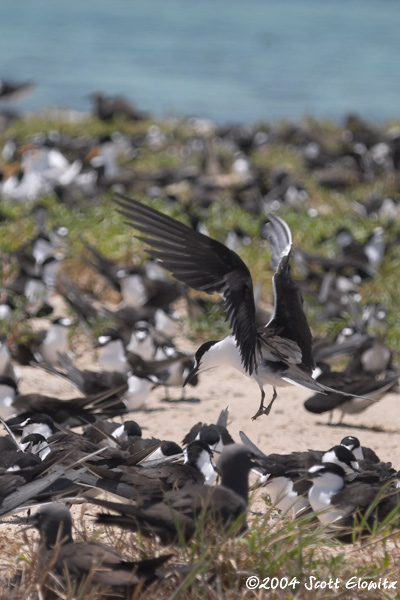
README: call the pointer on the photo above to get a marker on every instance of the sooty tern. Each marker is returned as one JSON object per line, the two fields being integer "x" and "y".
{"x": 360, "y": 452}
{"x": 282, "y": 475}
{"x": 149, "y": 482}
{"x": 277, "y": 354}
{"x": 215, "y": 436}
{"x": 338, "y": 503}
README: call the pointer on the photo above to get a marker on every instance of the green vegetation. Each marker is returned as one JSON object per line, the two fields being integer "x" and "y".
{"x": 273, "y": 547}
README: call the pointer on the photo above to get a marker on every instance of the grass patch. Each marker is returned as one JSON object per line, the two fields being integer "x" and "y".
{"x": 276, "y": 548}
{"x": 276, "y": 557}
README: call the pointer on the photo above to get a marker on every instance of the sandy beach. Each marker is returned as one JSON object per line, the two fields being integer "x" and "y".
{"x": 288, "y": 428}
{"x": 312, "y": 192}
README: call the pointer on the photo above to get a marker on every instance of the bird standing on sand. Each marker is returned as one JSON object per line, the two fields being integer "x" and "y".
{"x": 278, "y": 353}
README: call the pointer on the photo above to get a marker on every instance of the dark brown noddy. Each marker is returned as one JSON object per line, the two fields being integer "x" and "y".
{"x": 77, "y": 560}
{"x": 175, "y": 518}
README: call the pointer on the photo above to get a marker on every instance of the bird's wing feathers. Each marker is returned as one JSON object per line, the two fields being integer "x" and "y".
{"x": 279, "y": 237}
{"x": 288, "y": 320}
{"x": 280, "y": 348}
{"x": 201, "y": 263}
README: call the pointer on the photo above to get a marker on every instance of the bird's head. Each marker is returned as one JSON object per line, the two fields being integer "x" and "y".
{"x": 202, "y": 361}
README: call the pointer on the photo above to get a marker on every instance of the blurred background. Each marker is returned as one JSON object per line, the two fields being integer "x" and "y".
{"x": 229, "y": 61}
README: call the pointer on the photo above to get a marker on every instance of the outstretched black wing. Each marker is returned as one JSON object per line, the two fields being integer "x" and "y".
{"x": 203, "y": 264}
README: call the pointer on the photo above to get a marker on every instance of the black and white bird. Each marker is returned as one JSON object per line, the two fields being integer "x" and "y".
{"x": 369, "y": 375}
{"x": 216, "y": 436}
{"x": 55, "y": 340}
{"x": 361, "y": 260}
{"x": 277, "y": 354}
{"x": 360, "y": 452}
{"x": 150, "y": 480}
{"x": 366, "y": 389}
{"x": 69, "y": 413}
{"x": 282, "y": 475}
{"x": 299, "y": 461}
{"x": 374, "y": 470}
{"x": 102, "y": 431}
{"x": 136, "y": 388}
{"x": 29, "y": 478}
{"x": 166, "y": 451}
{"x": 38, "y": 423}
{"x": 337, "y": 503}
{"x": 45, "y": 344}
{"x": 111, "y": 351}
{"x": 36, "y": 444}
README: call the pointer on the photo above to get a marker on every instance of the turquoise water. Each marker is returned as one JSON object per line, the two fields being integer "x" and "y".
{"x": 229, "y": 61}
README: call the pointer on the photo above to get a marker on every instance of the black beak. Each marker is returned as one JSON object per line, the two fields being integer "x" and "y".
{"x": 192, "y": 373}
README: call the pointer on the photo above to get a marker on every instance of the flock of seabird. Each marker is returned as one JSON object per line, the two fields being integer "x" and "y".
{"x": 55, "y": 451}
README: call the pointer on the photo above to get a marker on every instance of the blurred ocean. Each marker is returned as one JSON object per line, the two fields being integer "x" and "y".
{"x": 230, "y": 61}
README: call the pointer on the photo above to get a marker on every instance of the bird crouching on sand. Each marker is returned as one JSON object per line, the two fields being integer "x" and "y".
{"x": 77, "y": 561}
{"x": 176, "y": 518}
{"x": 352, "y": 508}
